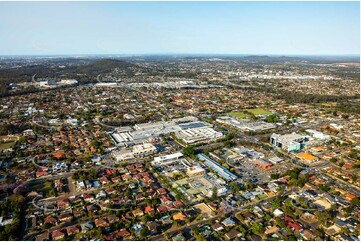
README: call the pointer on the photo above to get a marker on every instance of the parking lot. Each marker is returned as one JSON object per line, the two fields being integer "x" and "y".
{"x": 250, "y": 172}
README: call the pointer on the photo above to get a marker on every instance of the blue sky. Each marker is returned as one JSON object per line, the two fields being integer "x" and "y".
{"x": 309, "y": 28}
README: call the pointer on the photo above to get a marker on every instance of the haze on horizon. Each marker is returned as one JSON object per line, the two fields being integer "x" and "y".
{"x": 78, "y": 28}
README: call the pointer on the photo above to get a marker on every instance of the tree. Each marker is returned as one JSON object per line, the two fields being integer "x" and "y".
{"x": 128, "y": 192}
{"x": 240, "y": 217}
{"x": 293, "y": 182}
{"x": 214, "y": 194}
{"x": 333, "y": 160}
{"x": 189, "y": 151}
{"x": 325, "y": 188}
{"x": 290, "y": 238}
{"x": 275, "y": 205}
{"x": 323, "y": 217}
{"x": 144, "y": 233}
{"x": 195, "y": 230}
{"x": 280, "y": 222}
{"x": 234, "y": 188}
{"x": 275, "y": 176}
{"x": 272, "y": 118}
{"x": 354, "y": 154}
{"x": 228, "y": 143}
{"x": 257, "y": 228}
{"x": 200, "y": 237}
{"x": 47, "y": 226}
{"x": 98, "y": 232}
{"x": 356, "y": 201}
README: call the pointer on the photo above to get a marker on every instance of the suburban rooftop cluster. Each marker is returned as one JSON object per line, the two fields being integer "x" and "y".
{"x": 181, "y": 149}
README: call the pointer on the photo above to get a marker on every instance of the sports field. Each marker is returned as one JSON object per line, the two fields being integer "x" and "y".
{"x": 259, "y": 111}
{"x": 255, "y": 111}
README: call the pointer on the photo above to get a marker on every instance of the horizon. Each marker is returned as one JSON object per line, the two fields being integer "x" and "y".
{"x": 182, "y": 54}
{"x": 180, "y": 28}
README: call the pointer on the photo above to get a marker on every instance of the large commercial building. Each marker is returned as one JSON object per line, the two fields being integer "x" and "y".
{"x": 195, "y": 171}
{"x": 144, "y": 149}
{"x": 136, "y": 151}
{"x": 170, "y": 165}
{"x": 245, "y": 125}
{"x": 288, "y": 142}
{"x": 198, "y": 134}
{"x": 220, "y": 170}
{"x": 307, "y": 158}
{"x": 318, "y": 135}
{"x": 262, "y": 163}
{"x": 188, "y": 128}
{"x": 196, "y": 188}
{"x": 166, "y": 159}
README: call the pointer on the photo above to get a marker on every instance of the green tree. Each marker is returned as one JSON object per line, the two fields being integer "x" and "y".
{"x": 272, "y": 118}
{"x": 323, "y": 217}
{"x": 214, "y": 194}
{"x": 276, "y": 205}
{"x": 144, "y": 233}
{"x": 189, "y": 151}
{"x": 47, "y": 226}
{"x": 257, "y": 228}
{"x": 356, "y": 201}
{"x": 234, "y": 188}
{"x": 200, "y": 237}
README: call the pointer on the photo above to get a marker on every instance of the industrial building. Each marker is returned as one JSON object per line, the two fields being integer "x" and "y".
{"x": 220, "y": 170}
{"x": 288, "y": 142}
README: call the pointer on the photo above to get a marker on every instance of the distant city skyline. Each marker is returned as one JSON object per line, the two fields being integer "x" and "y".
{"x": 173, "y": 28}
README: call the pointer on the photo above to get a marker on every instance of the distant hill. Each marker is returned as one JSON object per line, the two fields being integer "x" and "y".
{"x": 100, "y": 66}
{"x": 89, "y": 68}
{"x": 264, "y": 59}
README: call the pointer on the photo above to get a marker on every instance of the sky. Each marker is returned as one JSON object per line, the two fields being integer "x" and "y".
{"x": 279, "y": 28}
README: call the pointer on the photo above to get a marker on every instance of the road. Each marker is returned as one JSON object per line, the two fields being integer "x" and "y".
{"x": 98, "y": 78}
{"x": 97, "y": 120}
{"x": 33, "y": 78}
{"x": 40, "y": 125}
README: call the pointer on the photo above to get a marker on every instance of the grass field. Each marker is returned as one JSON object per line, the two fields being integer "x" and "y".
{"x": 259, "y": 111}
{"x": 45, "y": 188}
{"x": 6, "y": 145}
{"x": 255, "y": 111}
